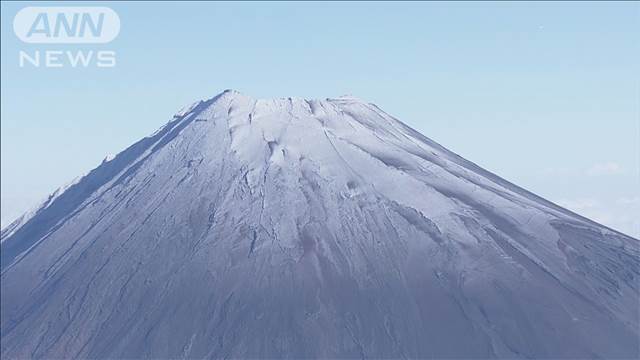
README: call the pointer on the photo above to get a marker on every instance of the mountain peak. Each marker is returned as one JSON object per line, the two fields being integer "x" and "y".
{"x": 348, "y": 98}
{"x": 232, "y": 93}
{"x": 309, "y": 229}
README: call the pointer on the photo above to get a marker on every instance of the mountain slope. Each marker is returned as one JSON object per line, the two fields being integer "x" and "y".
{"x": 306, "y": 228}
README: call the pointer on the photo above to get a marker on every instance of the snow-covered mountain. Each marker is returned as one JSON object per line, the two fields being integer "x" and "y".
{"x": 309, "y": 228}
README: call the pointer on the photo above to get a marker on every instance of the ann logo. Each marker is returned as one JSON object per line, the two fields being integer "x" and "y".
{"x": 77, "y": 26}
{"x": 66, "y": 25}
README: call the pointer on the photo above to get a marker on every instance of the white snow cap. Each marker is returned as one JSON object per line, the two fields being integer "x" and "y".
{"x": 301, "y": 228}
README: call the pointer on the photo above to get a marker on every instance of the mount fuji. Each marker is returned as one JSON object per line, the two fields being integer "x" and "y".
{"x": 293, "y": 228}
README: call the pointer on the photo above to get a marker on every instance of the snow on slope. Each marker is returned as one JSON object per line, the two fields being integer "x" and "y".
{"x": 19, "y": 222}
{"x": 310, "y": 228}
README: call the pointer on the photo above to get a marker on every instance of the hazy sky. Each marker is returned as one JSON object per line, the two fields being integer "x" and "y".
{"x": 546, "y": 95}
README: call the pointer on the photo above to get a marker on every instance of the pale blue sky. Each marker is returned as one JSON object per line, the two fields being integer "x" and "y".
{"x": 545, "y": 94}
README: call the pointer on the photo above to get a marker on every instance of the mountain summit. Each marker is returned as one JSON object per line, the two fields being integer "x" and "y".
{"x": 309, "y": 228}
